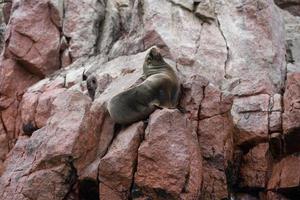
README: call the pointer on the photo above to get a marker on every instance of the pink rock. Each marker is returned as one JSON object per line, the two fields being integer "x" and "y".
{"x": 214, "y": 134}
{"x": 44, "y": 106}
{"x": 251, "y": 118}
{"x": 10, "y": 71}
{"x": 181, "y": 45}
{"x": 80, "y": 26}
{"x": 169, "y": 160}
{"x": 97, "y": 120}
{"x": 214, "y": 185}
{"x": 117, "y": 166}
{"x": 91, "y": 171}
{"x": 8, "y": 118}
{"x": 216, "y": 142}
{"x": 206, "y": 103}
{"x": 211, "y": 53}
{"x": 285, "y": 174}
{"x": 256, "y": 59}
{"x": 66, "y": 59}
{"x": 28, "y": 107}
{"x": 50, "y": 152}
{"x": 13, "y": 82}
{"x": 254, "y": 167}
{"x": 36, "y": 186}
{"x": 191, "y": 99}
{"x": 32, "y": 37}
{"x": 108, "y": 193}
{"x": 291, "y": 99}
{"x": 215, "y": 102}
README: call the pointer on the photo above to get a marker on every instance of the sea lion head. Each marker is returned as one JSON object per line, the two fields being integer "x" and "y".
{"x": 154, "y": 57}
{"x": 92, "y": 85}
{"x": 154, "y": 62}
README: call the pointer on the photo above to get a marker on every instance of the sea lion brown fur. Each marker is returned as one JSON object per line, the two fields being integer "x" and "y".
{"x": 91, "y": 85}
{"x": 160, "y": 88}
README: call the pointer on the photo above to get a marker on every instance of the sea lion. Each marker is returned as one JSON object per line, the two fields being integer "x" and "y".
{"x": 91, "y": 85}
{"x": 160, "y": 89}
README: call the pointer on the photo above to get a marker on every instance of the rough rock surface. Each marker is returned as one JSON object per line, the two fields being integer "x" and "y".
{"x": 32, "y": 36}
{"x": 291, "y": 115}
{"x": 117, "y": 166}
{"x": 237, "y": 135}
{"x": 168, "y": 159}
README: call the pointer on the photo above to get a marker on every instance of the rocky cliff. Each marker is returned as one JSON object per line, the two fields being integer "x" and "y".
{"x": 239, "y": 66}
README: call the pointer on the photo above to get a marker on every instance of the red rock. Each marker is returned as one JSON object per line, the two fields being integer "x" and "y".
{"x": 291, "y": 99}
{"x": 32, "y": 37}
{"x": 241, "y": 52}
{"x": 117, "y": 166}
{"x": 214, "y": 134}
{"x": 254, "y": 167}
{"x": 108, "y": 193}
{"x": 36, "y": 186}
{"x": 215, "y": 102}
{"x": 208, "y": 104}
{"x": 50, "y": 152}
{"x": 106, "y": 134}
{"x": 193, "y": 95}
{"x": 285, "y": 174}
{"x": 91, "y": 171}
{"x": 10, "y": 71}
{"x": 169, "y": 160}
{"x": 216, "y": 142}
{"x": 44, "y": 106}
{"x": 13, "y": 82}
{"x": 28, "y": 107}
{"x": 214, "y": 183}
{"x": 8, "y": 118}
{"x": 250, "y": 116}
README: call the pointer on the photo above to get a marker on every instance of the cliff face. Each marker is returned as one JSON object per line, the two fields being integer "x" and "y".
{"x": 239, "y": 66}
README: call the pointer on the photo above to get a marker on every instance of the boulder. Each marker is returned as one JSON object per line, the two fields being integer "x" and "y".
{"x": 169, "y": 159}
